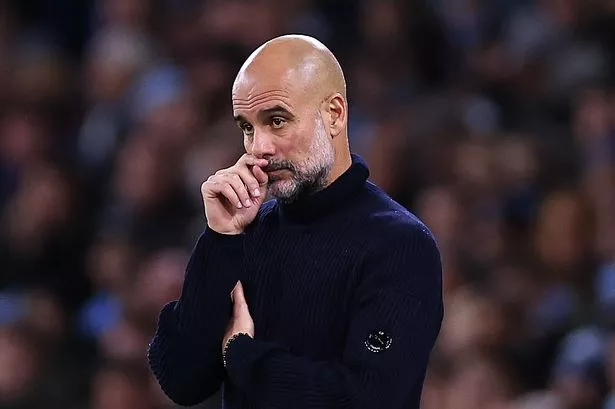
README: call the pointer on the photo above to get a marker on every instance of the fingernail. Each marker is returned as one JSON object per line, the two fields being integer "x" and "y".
{"x": 239, "y": 205}
{"x": 257, "y": 192}
{"x": 248, "y": 203}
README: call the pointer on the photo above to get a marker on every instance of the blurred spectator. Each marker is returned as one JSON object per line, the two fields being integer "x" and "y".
{"x": 19, "y": 363}
{"x": 121, "y": 386}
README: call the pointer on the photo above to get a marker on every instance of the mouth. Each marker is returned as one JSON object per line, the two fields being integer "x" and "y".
{"x": 276, "y": 170}
{"x": 278, "y": 174}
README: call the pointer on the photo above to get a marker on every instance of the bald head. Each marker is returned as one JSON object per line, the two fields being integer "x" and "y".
{"x": 302, "y": 60}
{"x": 289, "y": 99}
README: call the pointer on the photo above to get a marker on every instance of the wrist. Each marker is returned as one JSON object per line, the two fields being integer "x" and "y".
{"x": 225, "y": 232}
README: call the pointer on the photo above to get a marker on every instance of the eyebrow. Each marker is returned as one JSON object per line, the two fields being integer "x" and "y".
{"x": 277, "y": 109}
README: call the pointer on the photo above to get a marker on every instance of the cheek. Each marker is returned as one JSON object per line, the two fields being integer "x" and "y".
{"x": 291, "y": 143}
{"x": 302, "y": 140}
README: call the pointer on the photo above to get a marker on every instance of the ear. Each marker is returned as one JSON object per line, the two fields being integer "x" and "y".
{"x": 338, "y": 114}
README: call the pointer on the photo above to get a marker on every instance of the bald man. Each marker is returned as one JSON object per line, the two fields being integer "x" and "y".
{"x": 310, "y": 287}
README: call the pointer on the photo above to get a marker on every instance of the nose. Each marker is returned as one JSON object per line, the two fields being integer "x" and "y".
{"x": 262, "y": 144}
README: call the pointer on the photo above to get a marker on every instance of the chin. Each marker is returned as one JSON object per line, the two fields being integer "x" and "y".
{"x": 284, "y": 190}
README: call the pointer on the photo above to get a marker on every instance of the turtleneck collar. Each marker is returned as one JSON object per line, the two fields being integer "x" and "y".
{"x": 310, "y": 208}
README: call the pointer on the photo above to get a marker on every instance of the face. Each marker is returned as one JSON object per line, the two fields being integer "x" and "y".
{"x": 288, "y": 130}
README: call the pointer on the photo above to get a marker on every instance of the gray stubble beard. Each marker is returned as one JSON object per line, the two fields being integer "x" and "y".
{"x": 310, "y": 176}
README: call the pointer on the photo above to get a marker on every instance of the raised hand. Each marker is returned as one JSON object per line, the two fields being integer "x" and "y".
{"x": 233, "y": 196}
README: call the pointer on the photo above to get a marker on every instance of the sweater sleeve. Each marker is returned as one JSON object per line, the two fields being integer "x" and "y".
{"x": 185, "y": 353}
{"x": 396, "y": 318}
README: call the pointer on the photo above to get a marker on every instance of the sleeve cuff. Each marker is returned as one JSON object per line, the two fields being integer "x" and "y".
{"x": 215, "y": 266}
{"x": 225, "y": 240}
{"x": 243, "y": 356}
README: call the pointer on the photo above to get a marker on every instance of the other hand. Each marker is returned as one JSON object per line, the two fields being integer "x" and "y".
{"x": 241, "y": 321}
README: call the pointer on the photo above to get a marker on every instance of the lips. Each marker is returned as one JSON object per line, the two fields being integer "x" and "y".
{"x": 270, "y": 170}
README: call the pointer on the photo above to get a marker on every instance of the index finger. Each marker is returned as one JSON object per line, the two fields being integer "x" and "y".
{"x": 260, "y": 175}
{"x": 253, "y": 161}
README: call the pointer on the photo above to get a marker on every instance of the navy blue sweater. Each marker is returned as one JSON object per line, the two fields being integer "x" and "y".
{"x": 345, "y": 291}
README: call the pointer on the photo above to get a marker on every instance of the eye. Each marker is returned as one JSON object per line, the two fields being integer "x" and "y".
{"x": 278, "y": 122}
{"x": 247, "y": 128}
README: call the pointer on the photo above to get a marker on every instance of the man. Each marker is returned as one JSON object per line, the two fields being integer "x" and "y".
{"x": 336, "y": 289}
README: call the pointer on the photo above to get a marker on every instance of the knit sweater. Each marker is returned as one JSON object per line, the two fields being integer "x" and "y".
{"x": 344, "y": 287}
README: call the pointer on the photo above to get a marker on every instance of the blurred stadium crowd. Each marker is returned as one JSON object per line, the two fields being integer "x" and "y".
{"x": 494, "y": 121}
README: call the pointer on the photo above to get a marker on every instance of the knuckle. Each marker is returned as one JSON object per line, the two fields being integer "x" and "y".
{"x": 243, "y": 193}
{"x": 248, "y": 177}
{"x": 207, "y": 185}
{"x": 224, "y": 171}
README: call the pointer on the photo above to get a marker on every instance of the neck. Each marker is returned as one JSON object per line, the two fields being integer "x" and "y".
{"x": 346, "y": 180}
{"x": 343, "y": 161}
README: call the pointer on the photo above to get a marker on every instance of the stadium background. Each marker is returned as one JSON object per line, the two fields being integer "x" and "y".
{"x": 492, "y": 120}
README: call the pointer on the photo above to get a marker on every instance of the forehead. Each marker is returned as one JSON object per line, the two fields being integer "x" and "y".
{"x": 252, "y": 94}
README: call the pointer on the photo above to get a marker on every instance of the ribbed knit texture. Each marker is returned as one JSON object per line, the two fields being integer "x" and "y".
{"x": 319, "y": 275}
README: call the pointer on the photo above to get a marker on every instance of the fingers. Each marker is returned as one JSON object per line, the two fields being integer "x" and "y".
{"x": 239, "y": 183}
{"x": 260, "y": 175}
{"x": 256, "y": 166}
{"x": 249, "y": 180}
{"x": 239, "y": 186}
{"x": 250, "y": 160}
{"x": 216, "y": 186}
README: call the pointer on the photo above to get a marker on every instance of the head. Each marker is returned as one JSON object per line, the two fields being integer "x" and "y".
{"x": 289, "y": 100}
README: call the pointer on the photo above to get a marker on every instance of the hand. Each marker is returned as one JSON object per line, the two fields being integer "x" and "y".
{"x": 233, "y": 196}
{"x": 241, "y": 322}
